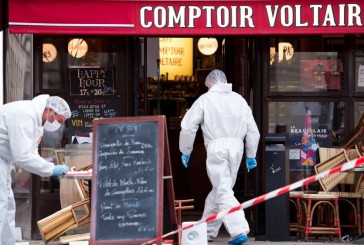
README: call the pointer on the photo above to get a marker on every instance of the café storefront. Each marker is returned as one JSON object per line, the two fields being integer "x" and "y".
{"x": 293, "y": 62}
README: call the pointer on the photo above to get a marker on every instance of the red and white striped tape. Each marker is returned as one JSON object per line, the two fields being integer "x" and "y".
{"x": 342, "y": 168}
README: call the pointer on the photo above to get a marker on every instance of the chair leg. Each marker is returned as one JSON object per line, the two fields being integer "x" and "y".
{"x": 328, "y": 224}
{"x": 179, "y": 207}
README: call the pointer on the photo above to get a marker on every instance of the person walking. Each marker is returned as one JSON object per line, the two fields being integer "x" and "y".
{"x": 21, "y": 130}
{"x": 226, "y": 121}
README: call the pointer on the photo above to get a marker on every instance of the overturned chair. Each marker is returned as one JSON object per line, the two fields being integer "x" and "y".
{"x": 65, "y": 219}
{"x": 71, "y": 217}
{"x": 312, "y": 207}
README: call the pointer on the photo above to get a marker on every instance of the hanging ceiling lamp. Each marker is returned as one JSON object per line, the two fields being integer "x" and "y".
{"x": 77, "y": 47}
{"x": 207, "y": 46}
{"x": 49, "y": 52}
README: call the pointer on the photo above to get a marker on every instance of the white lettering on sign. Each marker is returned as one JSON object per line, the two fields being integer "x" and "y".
{"x": 287, "y": 15}
{"x": 222, "y": 15}
{"x": 315, "y": 15}
{"x": 348, "y": 14}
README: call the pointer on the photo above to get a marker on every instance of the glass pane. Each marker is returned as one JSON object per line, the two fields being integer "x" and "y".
{"x": 359, "y": 64}
{"x": 52, "y": 61}
{"x": 309, "y": 125}
{"x": 358, "y": 111}
{"x": 20, "y": 180}
{"x": 359, "y": 72}
{"x": 311, "y": 67}
{"x": 97, "y": 52}
{"x": 61, "y": 53}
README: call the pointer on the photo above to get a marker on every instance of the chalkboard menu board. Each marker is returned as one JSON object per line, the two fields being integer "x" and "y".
{"x": 127, "y": 190}
{"x": 92, "y": 95}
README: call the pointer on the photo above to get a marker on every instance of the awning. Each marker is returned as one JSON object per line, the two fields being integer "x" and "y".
{"x": 73, "y": 17}
{"x": 185, "y": 17}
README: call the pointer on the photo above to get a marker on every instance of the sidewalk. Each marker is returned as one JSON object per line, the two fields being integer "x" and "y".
{"x": 224, "y": 240}
{"x": 220, "y": 241}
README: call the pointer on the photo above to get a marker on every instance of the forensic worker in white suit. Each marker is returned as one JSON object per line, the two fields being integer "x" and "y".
{"x": 21, "y": 130}
{"x": 226, "y": 121}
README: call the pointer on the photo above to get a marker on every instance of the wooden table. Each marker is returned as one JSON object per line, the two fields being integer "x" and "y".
{"x": 77, "y": 176}
{"x": 82, "y": 175}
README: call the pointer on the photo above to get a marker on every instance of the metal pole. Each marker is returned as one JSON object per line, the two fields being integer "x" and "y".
{"x": 158, "y": 88}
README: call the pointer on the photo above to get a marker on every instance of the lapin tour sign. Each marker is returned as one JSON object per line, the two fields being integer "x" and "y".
{"x": 188, "y": 17}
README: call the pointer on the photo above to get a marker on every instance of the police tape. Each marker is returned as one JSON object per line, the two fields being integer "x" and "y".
{"x": 341, "y": 168}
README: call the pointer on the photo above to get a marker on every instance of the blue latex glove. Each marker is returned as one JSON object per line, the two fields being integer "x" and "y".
{"x": 185, "y": 159}
{"x": 59, "y": 170}
{"x": 250, "y": 163}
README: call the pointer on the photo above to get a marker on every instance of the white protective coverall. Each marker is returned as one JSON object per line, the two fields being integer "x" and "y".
{"x": 226, "y": 120}
{"x": 20, "y": 133}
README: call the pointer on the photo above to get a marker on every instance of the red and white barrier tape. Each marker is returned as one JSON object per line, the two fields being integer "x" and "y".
{"x": 342, "y": 168}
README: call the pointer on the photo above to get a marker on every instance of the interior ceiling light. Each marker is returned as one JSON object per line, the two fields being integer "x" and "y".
{"x": 77, "y": 47}
{"x": 207, "y": 46}
{"x": 285, "y": 49}
{"x": 49, "y": 52}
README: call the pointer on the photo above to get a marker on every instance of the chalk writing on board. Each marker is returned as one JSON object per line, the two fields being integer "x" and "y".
{"x": 84, "y": 110}
{"x": 127, "y": 158}
{"x": 91, "y": 81}
{"x": 92, "y": 95}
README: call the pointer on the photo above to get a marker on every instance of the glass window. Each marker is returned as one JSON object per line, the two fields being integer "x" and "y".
{"x": 52, "y": 62}
{"x": 79, "y": 68}
{"x": 358, "y": 111}
{"x": 98, "y": 52}
{"x": 306, "y": 64}
{"x": 309, "y": 125}
{"x": 58, "y": 54}
{"x": 359, "y": 65}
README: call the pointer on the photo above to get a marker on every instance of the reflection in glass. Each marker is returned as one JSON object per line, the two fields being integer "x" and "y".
{"x": 306, "y": 72}
{"x": 52, "y": 64}
{"x": 359, "y": 71}
{"x": 309, "y": 125}
{"x": 80, "y": 52}
{"x": 304, "y": 64}
{"x": 358, "y": 111}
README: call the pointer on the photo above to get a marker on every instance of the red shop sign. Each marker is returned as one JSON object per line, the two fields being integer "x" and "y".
{"x": 158, "y": 18}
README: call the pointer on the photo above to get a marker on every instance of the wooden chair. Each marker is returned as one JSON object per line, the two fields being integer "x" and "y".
{"x": 71, "y": 217}
{"x": 348, "y": 199}
{"x": 357, "y": 138}
{"x": 78, "y": 158}
{"x": 65, "y": 219}
{"x": 360, "y": 189}
{"x": 74, "y": 238}
{"x": 354, "y": 148}
{"x": 320, "y": 216}
{"x": 179, "y": 206}
{"x": 331, "y": 181}
{"x": 324, "y": 206}
{"x": 295, "y": 209}
{"x": 82, "y": 185}
{"x": 84, "y": 194}
{"x": 72, "y": 191}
